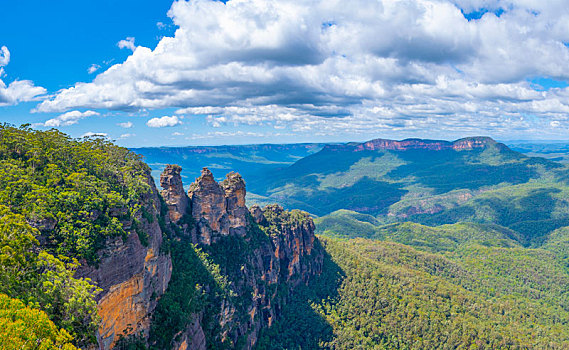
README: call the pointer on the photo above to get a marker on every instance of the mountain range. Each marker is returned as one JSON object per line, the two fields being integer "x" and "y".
{"x": 426, "y": 181}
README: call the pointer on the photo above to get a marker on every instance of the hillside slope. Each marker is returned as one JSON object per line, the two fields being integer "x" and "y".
{"x": 373, "y": 176}
{"x": 430, "y": 182}
{"x": 387, "y": 295}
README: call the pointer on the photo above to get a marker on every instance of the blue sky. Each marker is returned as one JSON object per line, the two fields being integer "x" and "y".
{"x": 151, "y": 73}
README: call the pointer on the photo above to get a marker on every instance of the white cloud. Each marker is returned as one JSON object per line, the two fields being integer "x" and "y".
{"x": 95, "y": 134}
{"x": 4, "y": 56}
{"x": 69, "y": 118}
{"x": 93, "y": 68}
{"x": 316, "y": 64}
{"x": 127, "y": 43}
{"x": 177, "y": 134}
{"x": 126, "y": 125}
{"x": 164, "y": 122}
{"x": 18, "y": 90}
{"x": 125, "y": 136}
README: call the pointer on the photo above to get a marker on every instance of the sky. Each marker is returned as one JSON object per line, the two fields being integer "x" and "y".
{"x": 203, "y": 72}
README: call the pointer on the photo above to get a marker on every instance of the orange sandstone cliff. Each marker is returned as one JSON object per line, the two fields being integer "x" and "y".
{"x": 263, "y": 253}
{"x": 133, "y": 273}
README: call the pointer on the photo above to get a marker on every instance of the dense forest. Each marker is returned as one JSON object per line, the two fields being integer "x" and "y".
{"x": 386, "y": 295}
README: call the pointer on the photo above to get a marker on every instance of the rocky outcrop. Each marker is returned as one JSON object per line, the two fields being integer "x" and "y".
{"x": 281, "y": 255}
{"x": 237, "y": 212}
{"x": 218, "y": 209}
{"x": 208, "y": 207}
{"x": 292, "y": 233}
{"x": 192, "y": 338}
{"x": 173, "y": 192}
{"x": 263, "y": 253}
{"x": 132, "y": 274}
{"x": 470, "y": 143}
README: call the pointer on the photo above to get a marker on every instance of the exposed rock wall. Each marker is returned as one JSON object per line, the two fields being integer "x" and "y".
{"x": 237, "y": 213}
{"x": 131, "y": 274}
{"x": 218, "y": 208}
{"x": 192, "y": 338}
{"x": 173, "y": 192}
{"x": 272, "y": 251}
{"x": 208, "y": 207}
{"x": 292, "y": 233}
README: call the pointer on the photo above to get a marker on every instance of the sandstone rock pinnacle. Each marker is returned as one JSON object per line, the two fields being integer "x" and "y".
{"x": 173, "y": 192}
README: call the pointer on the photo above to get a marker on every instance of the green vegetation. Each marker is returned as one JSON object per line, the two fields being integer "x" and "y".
{"x": 392, "y": 296}
{"x": 70, "y": 195}
{"x": 43, "y": 280}
{"x": 25, "y": 328}
{"x": 532, "y": 209}
{"x": 75, "y": 191}
{"x": 346, "y": 224}
{"x": 196, "y": 285}
{"x": 276, "y": 218}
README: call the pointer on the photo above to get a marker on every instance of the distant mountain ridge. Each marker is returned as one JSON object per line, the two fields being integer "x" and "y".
{"x": 248, "y": 160}
{"x": 467, "y": 143}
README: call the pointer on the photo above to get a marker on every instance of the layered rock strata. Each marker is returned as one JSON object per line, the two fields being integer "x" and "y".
{"x": 274, "y": 251}
{"x": 132, "y": 274}
{"x": 218, "y": 208}
{"x": 173, "y": 192}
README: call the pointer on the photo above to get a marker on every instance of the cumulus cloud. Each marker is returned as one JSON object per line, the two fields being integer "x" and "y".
{"x": 164, "y": 122}
{"x": 127, "y": 43}
{"x": 69, "y": 118}
{"x": 18, "y": 90}
{"x": 4, "y": 56}
{"x": 126, "y": 136}
{"x": 387, "y": 63}
{"x": 126, "y": 125}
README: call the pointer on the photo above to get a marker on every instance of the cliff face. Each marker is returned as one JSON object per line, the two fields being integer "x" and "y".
{"x": 218, "y": 209}
{"x": 132, "y": 274}
{"x": 292, "y": 234}
{"x": 173, "y": 192}
{"x": 209, "y": 208}
{"x": 263, "y": 253}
